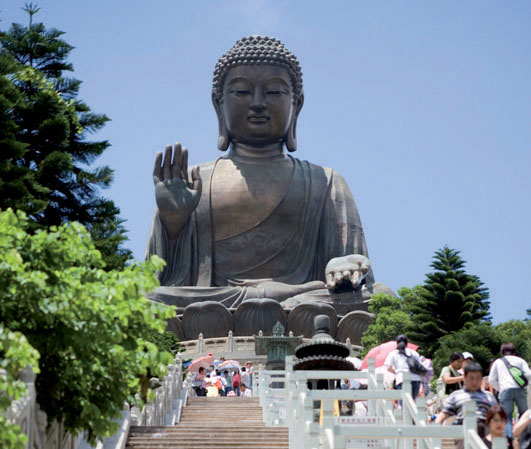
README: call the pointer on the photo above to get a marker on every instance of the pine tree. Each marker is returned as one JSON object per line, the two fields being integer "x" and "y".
{"x": 49, "y": 128}
{"x": 449, "y": 301}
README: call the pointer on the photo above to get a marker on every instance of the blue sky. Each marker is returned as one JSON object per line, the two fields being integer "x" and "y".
{"x": 423, "y": 107}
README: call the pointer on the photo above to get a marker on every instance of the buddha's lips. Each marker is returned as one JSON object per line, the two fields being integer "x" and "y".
{"x": 257, "y": 119}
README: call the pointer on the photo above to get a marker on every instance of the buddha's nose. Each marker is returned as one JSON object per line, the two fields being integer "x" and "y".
{"x": 258, "y": 101}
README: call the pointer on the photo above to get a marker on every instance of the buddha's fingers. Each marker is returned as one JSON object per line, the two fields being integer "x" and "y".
{"x": 196, "y": 179}
{"x": 356, "y": 279}
{"x": 337, "y": 277}
{"x": 184, "y": 167}
{"x": 330, "y": 280}
{"x": 346, "y": 275}
{"x": 365, "y": 268}
{"x": 157, "y": 168}
{"x": 166, "y": 165}
{"x": 176, "y": 169}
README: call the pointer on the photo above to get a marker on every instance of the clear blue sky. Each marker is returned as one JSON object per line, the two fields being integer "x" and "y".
{"x": 424, "y": 108}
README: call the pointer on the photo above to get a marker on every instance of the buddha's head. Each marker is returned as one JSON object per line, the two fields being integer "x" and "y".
{"x": 257, "y": 93}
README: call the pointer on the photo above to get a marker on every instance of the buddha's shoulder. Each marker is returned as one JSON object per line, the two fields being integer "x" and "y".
{"x": 330, "y": 173}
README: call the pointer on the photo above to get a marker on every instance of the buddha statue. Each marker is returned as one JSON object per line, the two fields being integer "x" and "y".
{"x": 257, "y": 222}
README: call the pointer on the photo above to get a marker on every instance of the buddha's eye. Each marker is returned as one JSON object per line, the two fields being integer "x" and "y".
{"x": 240, "y": 92}
{"x": 273, "y": 92}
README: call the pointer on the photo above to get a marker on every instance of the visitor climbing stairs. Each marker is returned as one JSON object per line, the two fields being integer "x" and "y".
{"x": 221, "y": 423}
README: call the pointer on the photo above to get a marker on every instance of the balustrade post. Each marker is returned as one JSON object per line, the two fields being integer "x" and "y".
{"x": 230, "y": 342}
{"x": 349, "y": 345}
{"x": 406, "y": 415}
{"x": 469, "y": 421}
{"x": 306, "y": 408}
{"x": 372, "y": 376}
{"x": 200, "y": 344}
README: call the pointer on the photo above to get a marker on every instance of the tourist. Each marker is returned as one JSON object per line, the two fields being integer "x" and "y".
{"x": 510, "y": 385}
{"x": 246, "y": 379}
{"x": 495, "y": 421}
{"x": 236, "y": 382}
{"x": 245, "y": 392}
{"x": 450, "y": 378}
{"x": 397, "y": 363}
{"x": 467, "y": 358}
{"x": 453, "y": 406}
{"x": 249, "y": 369}
{"x": 228, "y": 381}
{"x": 221, "y": 383}
{"x": 199, "y": 383}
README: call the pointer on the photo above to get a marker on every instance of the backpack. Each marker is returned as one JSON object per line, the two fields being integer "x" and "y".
{"x": 415, "y": 366}
{"x": 517, "y": 373}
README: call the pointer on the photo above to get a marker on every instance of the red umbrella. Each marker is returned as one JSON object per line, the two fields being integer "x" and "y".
{"x": 204, "y": 362}
{"x": 380, "y": 353}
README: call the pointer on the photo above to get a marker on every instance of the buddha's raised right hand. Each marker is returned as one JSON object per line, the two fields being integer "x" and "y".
{"x": 177, "y": 196}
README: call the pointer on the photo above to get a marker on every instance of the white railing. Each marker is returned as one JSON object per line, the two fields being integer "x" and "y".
{"x": 170, "y": 398}
{"x": 309, "y": 414}
{"x": 166, "y": 409}
{"x": 272, "y": 392}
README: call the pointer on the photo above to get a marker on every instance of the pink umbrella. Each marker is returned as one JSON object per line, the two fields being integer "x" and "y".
{"x": 229, "y": 364}
{"x": 380, "y": 353}
{"x": 204, "y": 362}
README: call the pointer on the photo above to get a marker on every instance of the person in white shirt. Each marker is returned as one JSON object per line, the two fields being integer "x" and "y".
{"x": 396, "y": 363}
{"x": 510, "y": 392}
{"x": 245, "y": 392}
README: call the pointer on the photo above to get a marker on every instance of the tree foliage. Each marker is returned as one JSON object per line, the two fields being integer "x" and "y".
{"x": 44, "y": 165}
{"x": 519, "y": 333}
{"x": 93, "y": 328}
{"x": 15, "y": 355}
{"x": 449, "y": 301}
{"x": 392, "y": 319}
{"x": 482, "y": 340}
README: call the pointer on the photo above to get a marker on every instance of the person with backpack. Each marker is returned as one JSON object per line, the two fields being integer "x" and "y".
{"x": 450, "y": 378}
{"x": 509, "y": 376}
{"x": 236, "y": 382}
{"x": 403, "y": 360}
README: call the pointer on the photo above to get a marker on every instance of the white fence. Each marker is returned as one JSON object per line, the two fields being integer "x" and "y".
{"x": 166, "y": 408}
{"x": 309, "y": 414}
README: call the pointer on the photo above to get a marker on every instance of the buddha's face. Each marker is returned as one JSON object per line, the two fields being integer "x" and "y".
{"x": 257, "y": 104}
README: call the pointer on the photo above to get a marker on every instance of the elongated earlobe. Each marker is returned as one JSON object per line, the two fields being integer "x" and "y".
{"x": 223, "y": 137}
{"x": 291, "y": 138}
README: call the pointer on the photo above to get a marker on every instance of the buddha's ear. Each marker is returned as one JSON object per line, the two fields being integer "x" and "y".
{"x": 291, "y": 138}
{"x": 223, "y": 137}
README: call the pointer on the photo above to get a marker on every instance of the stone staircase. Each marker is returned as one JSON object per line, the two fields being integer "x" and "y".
{"x": 221, "y": 423}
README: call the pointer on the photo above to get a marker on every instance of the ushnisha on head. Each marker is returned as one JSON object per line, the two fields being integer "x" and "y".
{"x": 258, "y": 50}
{"x": 257, "y": 93}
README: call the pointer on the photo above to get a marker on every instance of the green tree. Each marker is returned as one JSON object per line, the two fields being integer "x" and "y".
{"x": 450, "y": 300}
{"x": 482, "y": 340}
{"x": 392, "y": 319}
{"x": 94, "y": 329}
{"x": 519, "y": 333}
{"x": 15, "y": 355}
{"x": 48, "y": 155}
{"x": 18, "y": 188}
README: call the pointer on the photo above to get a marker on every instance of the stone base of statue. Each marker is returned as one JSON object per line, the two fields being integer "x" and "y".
{"x": 348, "y": 313}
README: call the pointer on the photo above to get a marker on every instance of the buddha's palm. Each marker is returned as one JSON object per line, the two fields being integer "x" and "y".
{"x": 177, "y": 196}
{"x": 350, "y": 269}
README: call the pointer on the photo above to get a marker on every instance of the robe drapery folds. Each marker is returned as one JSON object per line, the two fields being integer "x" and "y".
{"x": 323, "y": 223}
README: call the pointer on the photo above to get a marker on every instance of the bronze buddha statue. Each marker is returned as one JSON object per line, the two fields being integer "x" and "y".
{"x": 257, "y": 222}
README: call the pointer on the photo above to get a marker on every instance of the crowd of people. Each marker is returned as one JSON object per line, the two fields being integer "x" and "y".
{"x": 214, "y": 382}
{"x": 499, "y": 396}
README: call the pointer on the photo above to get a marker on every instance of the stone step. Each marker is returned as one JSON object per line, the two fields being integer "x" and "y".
{"x": 213, "y": 423}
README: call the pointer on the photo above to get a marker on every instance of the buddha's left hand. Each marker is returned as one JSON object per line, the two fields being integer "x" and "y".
{"x": 350, "y": 269}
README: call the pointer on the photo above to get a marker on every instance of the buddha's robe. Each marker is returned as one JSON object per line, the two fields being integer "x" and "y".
{"x": 315, "y": 221}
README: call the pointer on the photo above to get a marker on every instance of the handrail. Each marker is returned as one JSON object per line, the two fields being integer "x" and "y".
{"x": 305, "y": 430}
